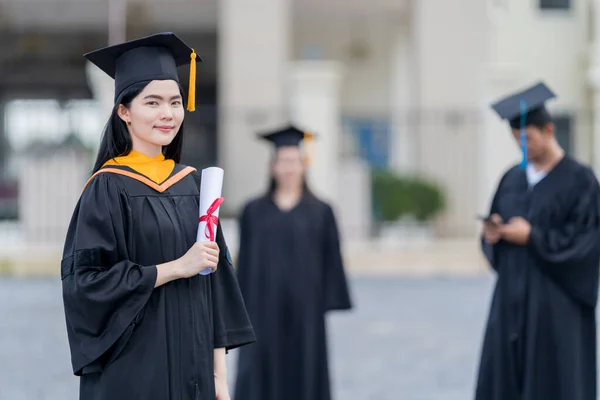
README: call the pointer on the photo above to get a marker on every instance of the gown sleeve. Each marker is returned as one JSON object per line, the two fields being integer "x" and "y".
{"x": 103, "y": 291}
{"x": 337, "y": 296}
{"x": 232, "y": 326}
{"x": 570, "y": 253}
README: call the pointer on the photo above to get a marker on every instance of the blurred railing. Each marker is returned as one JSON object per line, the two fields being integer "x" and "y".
{"x": 441, "y": 145}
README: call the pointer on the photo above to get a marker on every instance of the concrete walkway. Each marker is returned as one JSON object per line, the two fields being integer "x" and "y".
{"x": 406, "y": 339}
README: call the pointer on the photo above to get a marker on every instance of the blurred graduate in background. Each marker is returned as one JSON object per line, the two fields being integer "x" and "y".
{"x": 543, "y": 239}
{"x": 291, "y": 273}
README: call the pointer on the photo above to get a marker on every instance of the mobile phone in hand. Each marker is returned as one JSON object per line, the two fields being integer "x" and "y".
{"x": 485, "y": 218}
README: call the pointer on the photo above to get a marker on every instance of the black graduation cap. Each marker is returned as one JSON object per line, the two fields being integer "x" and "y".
{"x": 525, "y": 107}
{"x": 289, "y": 135}
{"x": 155, "y": 57}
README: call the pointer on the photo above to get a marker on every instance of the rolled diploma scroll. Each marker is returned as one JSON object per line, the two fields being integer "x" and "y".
{"x": 210, "y": 201}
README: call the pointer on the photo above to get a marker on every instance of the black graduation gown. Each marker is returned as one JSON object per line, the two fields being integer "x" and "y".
{"x": 128, "y": 340}
{"x": 291, "y": 273}
{"x": 540, "y": 341}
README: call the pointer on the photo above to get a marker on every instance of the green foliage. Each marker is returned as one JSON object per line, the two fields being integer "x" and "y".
{"x": 5, "y": 267}
{"x": 396, "y": 197}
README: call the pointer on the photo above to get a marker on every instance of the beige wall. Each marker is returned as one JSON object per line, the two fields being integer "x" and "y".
{"x": 527, "y": 45}
{"x": 453, "y": 55}
{"x": 469, "y": 56}
{"x": 365, "y": 83}
{"x": 548, "y": 45}
{"x": 452, "y": 45}
{"x": 254, "y": 51}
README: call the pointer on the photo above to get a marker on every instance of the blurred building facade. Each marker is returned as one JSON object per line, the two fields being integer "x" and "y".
{"x": 403, "y": 85}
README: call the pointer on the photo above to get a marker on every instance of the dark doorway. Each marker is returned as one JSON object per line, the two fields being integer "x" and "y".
{"x": 563, "y": 126}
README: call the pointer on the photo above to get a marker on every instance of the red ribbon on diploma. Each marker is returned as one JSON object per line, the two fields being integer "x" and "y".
{"x": 211, "y": 219}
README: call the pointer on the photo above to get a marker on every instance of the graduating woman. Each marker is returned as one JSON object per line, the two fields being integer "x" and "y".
{"x": 291, "y": 273}
{"x": 142, "y": 322}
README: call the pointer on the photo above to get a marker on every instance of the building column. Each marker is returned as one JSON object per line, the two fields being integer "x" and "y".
{"x": 254, "y": 47}
{"x": 594, "y": 81}
{"x": 403, "y": 107}
{"x": 102, "y": 85}
{"x": 448, "y": 94}
{"x": 315, "y": 106}
{"x": 314, "y": 102}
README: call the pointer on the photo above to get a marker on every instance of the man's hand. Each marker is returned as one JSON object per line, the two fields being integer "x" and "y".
{"x": 516, "y": 231}
{"x": 491, "y": 229}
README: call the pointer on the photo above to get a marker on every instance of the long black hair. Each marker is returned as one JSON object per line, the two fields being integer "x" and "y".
{"x": 116, "y": 140}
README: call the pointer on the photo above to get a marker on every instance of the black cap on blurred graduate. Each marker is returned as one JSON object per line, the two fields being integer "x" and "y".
{"x": 154, "y": 57}
{"x": 524, "y": 108}
{"x": 288, "y": 136}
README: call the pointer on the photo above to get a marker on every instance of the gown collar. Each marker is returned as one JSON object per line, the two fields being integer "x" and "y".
{"x": 156, "y": 168}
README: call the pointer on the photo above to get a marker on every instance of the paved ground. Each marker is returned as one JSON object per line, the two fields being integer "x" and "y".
{"x": 409, "y": 339}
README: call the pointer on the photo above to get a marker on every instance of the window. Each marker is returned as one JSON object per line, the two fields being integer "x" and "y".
{"x": 28, "y": 121}
{"x": 555, "y": 4}
{"x": 562, "y": 131}
{"x": 371, "y": 137}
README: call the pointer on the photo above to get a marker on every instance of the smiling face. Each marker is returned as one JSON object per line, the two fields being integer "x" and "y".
{"x": 154, "y": 116}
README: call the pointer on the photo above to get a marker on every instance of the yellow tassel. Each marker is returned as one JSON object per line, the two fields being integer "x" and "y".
{"x": 192, "y": 83}
{"x": 308, "y": 141}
